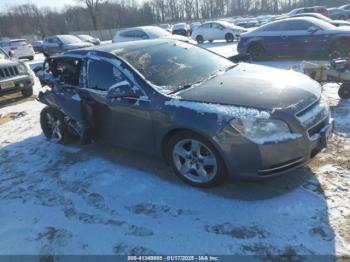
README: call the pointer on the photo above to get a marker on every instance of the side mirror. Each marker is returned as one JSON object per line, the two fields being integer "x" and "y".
{"x": 123, "y": 90}
{"x": 312, "y": 30}
{"x": 11, "y": 53}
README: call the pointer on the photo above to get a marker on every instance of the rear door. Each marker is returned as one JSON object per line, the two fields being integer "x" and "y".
{"x": 206, "y": 31}
{"x": 67, "y": 71}
{"x": 217, "y": 31}
{"x": 271, "y": 38}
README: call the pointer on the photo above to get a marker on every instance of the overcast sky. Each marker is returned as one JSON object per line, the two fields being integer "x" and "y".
{"x": 51, "y": 3}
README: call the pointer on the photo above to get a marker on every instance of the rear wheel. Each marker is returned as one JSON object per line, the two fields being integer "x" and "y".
{"x": 229, "y": 37}
{"x": 195, "y": 160}
{"x": 200, "y": 39}
{"x": 257, "y": 52}
{"x": 211, "y": 41}
{"x": 53, "y": 126}
{"x": 344, "y": 91}
{"x": 27, "y": 92}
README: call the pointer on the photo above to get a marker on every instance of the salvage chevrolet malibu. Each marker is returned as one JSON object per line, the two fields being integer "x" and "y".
{"x": 206, "y": 115}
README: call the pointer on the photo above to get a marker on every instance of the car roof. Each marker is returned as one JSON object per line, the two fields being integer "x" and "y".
{"x": 313, "y": 20}
{"x": 144, "y": 28}
{"x": 121, "y": 47}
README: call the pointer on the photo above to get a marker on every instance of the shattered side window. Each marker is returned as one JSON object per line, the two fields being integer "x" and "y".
{"x": 102, "y": 75}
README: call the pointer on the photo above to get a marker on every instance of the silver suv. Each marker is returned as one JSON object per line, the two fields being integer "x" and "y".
{"x": 14, "y": 76}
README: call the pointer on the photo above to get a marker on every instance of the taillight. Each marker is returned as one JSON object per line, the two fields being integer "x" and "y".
{"x": 29, "y": 45}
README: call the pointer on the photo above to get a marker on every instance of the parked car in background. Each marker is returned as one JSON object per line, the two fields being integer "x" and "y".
{"x": 338, "y": 14}
{"x": 194, "y": 108}
{"x": 263, "y": 19}
{"x": 166, "y": 27}
{"x": 143, "y": 33}
{"x": 89, "y": 39}
{"x": 247, "y": 22}
{"x": 295, "y": 37}
{"x": 321, "y": 17}
{"x": 313, "y": 9}
{"x": 61, "y": 43}
{"x": 345, "y": 7}
{"x": 181, "y": 29}
{"x": 20, "y": 47}
{"x": 194, "y": 26}
{"x": 218, "y": 30}
{"x": 38, "y": 46}
{"x": 15, "y": 76}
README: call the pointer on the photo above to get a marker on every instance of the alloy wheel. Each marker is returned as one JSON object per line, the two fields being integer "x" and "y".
{"x": 195, "y": 161}
{"x": 55, "y": 126}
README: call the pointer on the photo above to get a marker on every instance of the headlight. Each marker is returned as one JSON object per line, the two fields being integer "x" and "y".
{"x": 22, "y": 68}
{"x": 261, "y": 130}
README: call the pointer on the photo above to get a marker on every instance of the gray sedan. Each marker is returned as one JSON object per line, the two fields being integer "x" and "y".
{"x": 206, "y": 115}
{"x": 61, "y": 43}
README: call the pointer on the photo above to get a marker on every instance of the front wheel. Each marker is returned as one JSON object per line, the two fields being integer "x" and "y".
{"x": 28, "y": 92}
{"x": 195, "y": 160}
{"x": 229, "y": 38}
{"x": 257, "y": 52}
{"x": 53, "y": 126}
{"x": 344, "y": 91}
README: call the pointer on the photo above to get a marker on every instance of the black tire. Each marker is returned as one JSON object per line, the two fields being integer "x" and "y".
{"x": 200, "y": 39}
{"x": 344, "y": 91}
{"x": 257, "y": 52}
{"x": 340, "y": 47}
{"x": 47, "y": 128}
{"x": 229, "y": 38}
{"x": 28, "y": 92}
{"x": 211, "y": 41}
{"x": 218, "y": 172}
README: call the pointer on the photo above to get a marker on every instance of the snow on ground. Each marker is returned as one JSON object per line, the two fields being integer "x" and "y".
{"x": 94, "y": 199}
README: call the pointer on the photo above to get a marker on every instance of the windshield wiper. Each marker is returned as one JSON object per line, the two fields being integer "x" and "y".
{"x": 187, "y": 86}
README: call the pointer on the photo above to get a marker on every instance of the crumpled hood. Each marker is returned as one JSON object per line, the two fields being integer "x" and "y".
{"x": 257, "y": 87}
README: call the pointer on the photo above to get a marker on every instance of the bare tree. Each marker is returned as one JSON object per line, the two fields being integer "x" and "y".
{"x": 92, "y": 6}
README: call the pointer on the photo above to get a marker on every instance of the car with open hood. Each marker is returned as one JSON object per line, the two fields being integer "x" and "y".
{"x": 207, "y": 116}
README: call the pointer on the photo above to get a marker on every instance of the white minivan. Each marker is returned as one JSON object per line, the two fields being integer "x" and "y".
{"x": 20, "y": 48}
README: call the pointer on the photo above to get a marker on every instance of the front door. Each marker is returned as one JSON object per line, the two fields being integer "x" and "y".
{"x": 124, "y": 122}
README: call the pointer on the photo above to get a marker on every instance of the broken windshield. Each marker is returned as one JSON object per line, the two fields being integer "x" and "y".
{"x": 174, "y": 65}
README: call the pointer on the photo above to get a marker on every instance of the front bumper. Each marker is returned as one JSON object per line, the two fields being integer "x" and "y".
{"x": 21, "y": 83}
{"x": 247, "y": 160}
